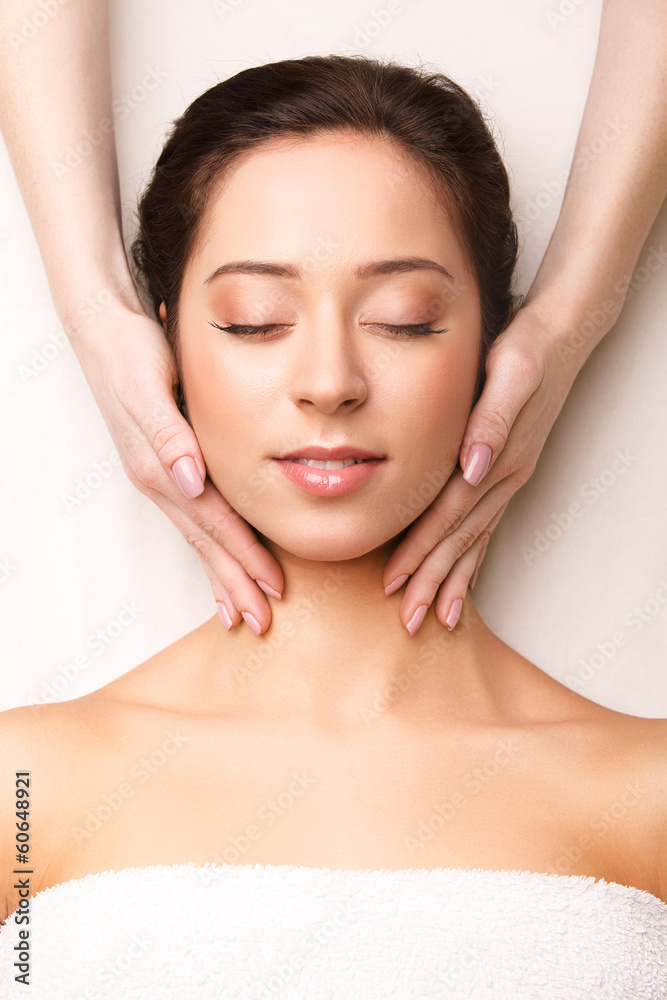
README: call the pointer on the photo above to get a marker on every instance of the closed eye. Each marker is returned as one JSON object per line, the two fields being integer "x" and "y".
{"x": 413, "y": 330}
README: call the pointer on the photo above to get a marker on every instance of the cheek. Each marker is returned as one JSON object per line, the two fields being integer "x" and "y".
{"x": 434, "y": 399}
{"x": 222, "y": 405}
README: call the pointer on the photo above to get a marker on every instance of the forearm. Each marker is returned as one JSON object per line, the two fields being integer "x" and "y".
{"x": 617, "y": 181}
{"x": 57, "y": 122}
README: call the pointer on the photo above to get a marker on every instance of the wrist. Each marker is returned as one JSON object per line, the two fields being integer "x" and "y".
{"x": 573, "y": 322}
{"x": 100, "y": 295}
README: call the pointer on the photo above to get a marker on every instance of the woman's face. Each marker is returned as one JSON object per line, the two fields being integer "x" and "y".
{"x": 336, "y": 243}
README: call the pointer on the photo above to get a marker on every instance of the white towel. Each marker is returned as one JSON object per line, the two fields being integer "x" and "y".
{"x": 254, "y": 932}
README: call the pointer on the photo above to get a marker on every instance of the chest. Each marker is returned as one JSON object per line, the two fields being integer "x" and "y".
{"x": 499, "y": 802}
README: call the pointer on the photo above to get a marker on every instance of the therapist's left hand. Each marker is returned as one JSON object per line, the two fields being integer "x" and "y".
{"x": 529, "y": 371}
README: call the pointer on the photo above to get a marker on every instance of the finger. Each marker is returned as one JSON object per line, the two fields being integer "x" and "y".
{"x": 480, "y": 560}
{"x": 171, "y": 438}
{"x": 441, "y": 518}
{"x": 512, "y": 378}
{"x": 425, "y": 582}
{"x": 244, "y": 593}
{"x": 209, "y": 515}
{"x": 450, "y": 597}
{"x": 227, "y": 611}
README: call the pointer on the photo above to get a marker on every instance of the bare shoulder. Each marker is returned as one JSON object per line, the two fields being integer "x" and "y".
{"x": 48, "y": 758}
{"x": 31, "y": 745}
{"x": 650, "y": 747}
{"x": 636, "y": 752}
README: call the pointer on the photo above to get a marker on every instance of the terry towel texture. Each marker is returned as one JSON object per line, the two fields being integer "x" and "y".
{"x": 272, "y": 932}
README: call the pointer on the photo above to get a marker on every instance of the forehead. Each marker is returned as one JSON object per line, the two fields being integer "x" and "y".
{"x": 333, "y": 198}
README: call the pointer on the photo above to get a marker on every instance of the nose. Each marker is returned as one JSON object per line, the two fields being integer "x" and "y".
{"x": 328, "y": 367}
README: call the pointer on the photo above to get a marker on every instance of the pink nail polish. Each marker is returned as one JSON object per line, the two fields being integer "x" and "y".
{"x": 395, "y": 584}
{"x": 251, "y": 622}
{"x": 417, "y": 619}
{"x": 454, "y": 613}
{"x": 478, "y": 464}
{"x": 269, "y": 590}
{"x": 224, "y": 615}
{"x": 187, "y": 476}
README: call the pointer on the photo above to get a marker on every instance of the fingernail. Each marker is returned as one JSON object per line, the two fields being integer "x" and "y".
{"x": 473, "y": 578}
{"x": 252, "y": 622}
{"x": 454, "y": 613}
{"x": 417, "y": 619}
{"x": 187, "y": 476}
{"x": 478, "y": 464}
{"x": 224, "y": 615}
{"x": 395, "y": 584}
{"x": 269, "y": 590}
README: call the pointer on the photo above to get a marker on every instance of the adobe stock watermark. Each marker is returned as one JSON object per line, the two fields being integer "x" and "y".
{"x": 7, "y": 569}
{"x": 601, "y": 823}
{"x": 224, "y": 7}
{"x": 635, "y": 620}
{"x": 591, "y": 491}
{"x": 113, "y": 969}
{"x": 31, "y": 26}
{"x": 477, "y": 779}
{"x": 456, "y": 971}
{"x": 386, "y": 698}
{"x": 276, "y": 980}
{"x": 597, "y": 321}
{"x": 530, "y": 211}
{"x": 85, "y": 486}
{"x": 417, "y": 499}
{"x": 98, "y": 642}
{"x": 367, "y": 33}
{"x": 141, "y": 772}
{"x": 276, "y": 637}
{"x": 122, "y": 107}
{"x": 482, "y": 87}
{"x": 41, "y": 357}
{"x": 94, "y": 305}
{"x": 565, "y": 9}
{"x": 268, "y": 814}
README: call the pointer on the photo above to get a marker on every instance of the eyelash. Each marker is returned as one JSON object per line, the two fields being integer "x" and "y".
{"x": 415, "y": 330}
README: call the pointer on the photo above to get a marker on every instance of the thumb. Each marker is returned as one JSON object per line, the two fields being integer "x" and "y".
{"x": 509, "y": 385}
{"x": 175, "y": 444}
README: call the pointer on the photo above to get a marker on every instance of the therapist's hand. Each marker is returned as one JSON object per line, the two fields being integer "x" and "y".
{"x": 131, "y": 370}
{"x": 528, "y": 379}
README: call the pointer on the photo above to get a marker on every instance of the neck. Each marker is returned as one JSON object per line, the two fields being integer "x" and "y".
{"x": 337, "y": 651}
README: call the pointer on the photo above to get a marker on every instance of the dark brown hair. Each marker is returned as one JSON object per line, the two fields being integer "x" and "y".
{"x": 428, "y": 116}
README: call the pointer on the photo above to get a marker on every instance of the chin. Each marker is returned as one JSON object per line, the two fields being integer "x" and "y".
{"x": 333, "y": 542}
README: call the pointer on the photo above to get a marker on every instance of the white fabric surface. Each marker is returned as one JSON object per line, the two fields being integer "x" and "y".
{"x": 250, "y": 932}
{"x": 90, "y": 589}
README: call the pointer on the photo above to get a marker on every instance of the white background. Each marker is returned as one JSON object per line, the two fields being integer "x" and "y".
{"x": 66, "y": 574}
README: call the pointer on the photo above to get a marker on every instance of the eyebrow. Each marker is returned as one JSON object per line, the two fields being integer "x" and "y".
{"x": 395, "y": 266}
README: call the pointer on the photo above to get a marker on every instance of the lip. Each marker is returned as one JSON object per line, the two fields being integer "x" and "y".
{"x": 329, "y": 454}
{"x": 330, "y": 482}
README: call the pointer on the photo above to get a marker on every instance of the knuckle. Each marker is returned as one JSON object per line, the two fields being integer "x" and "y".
{"x": 520, "y": 363}
{"x": 513, "y": 462}
{"x": 449, "y": 520}
{"x": 522, "y": 468}
{"x": 201, "y": 544}
{"x": 463, "y": 541}
{"x": 146, "y": 473}
{"x": 163, "y": 437}
{"x": 493, "y": 425}
{"x": 139, "y": 472}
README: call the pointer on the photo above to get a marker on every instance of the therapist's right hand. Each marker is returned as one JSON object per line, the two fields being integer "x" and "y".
{"x": 131, "y": 370}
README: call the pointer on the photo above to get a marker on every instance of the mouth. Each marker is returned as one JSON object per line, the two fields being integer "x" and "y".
{"x": 330, "y": 458}
{"x": 330, "y": 472}
{"x": 339, "y": 463}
